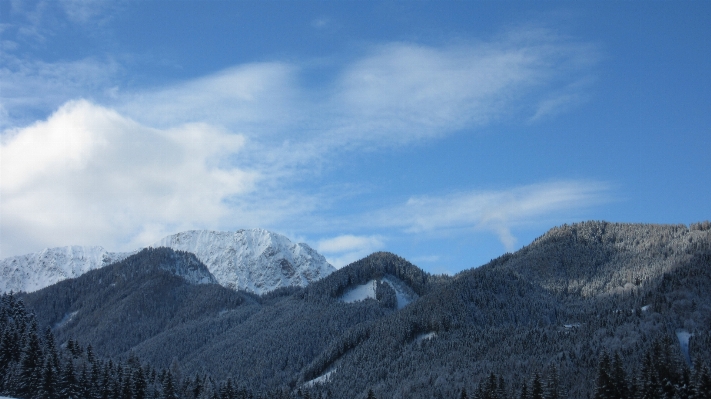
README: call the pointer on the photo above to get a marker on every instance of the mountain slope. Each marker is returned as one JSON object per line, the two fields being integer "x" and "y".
{"x": 551, "y": 308}
{"x": 254, "y": 260}
{"x": 129, "y": 301}
{"x": 137, "y": 306}
{"x": 513, "y": 316}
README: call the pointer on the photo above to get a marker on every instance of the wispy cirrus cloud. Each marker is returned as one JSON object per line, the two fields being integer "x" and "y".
{"x": 497, "y": 211}
{"x": 29, "y": 88}
{"x": 344, "y": 249}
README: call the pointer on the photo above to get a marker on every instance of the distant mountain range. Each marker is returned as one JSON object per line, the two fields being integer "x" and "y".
{"x": 551, "y": 310}
{"x": 254, "y": 260}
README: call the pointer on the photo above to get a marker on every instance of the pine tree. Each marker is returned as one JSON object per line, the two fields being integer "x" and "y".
{"x": 69, "y": 386}
{"x": 702, "y": 383}
{"x": 169, "y": 387}
{"x": 126, "y": 384}
{"x": 95, "y": 381}
{"x": 139, "y": 384}
{"x": 198, "y": 387}
{"x": 31, "y": 365}
{"x": 604, "y": 387}
{"x": 501, "y": 389}
{"x": 537, "y": 387}
{"x": 524, "y": 391}
{"x": 90, "y": 354}
{"x": 84, "y": 382}
{"x": 490, "y": 388}
{"x": 371, "y": 395}
{"x": 48, "y": 387}
{"x": 619, "y": 378}
{"x": 553, "y": 384}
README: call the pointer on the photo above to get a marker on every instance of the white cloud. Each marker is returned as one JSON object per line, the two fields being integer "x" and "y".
{"x": 404, "y": 91}
{"x": 345, "y": 249}
{"x": 396, "y": 93}
{"x": 87, "y": 175}
{"x": 495, "y": 211}
{"x": 250, "y": 98}
{"x": 228, "y": 150}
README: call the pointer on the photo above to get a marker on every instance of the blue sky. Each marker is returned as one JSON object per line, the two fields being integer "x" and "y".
{"x": 446, "y": 132}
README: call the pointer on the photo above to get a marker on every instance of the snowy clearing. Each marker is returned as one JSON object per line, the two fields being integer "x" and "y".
{"x": 683, "y": 337}
{"x": 360, "y": 292}
{"x": 426, "y": 336}
{"x": 404, "y": 294}
{"x": 325, "y": 377}
{"x": 66, "y": 319}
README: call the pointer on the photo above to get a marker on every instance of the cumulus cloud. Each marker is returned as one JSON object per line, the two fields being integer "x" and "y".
{"x": 88, "y": 175}
{"x": 345, "y": 249}
{"x": 496, "y": 211}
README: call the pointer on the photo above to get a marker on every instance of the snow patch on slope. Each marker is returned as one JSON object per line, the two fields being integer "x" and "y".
{"x": 35, "y": 271}
{"x": 322, "y": 379}
{"x": 66, "y": 319}
{"x": 425, "y": 336}
{"x": 683, "y": 337}
{"x": 403, "y": 293}
{"x": 360, "y": 292}
{"x": 254, "y": 260}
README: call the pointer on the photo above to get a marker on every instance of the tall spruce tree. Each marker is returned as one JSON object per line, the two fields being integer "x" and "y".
{"x": 604, "y": 387}
{"x": 69, "y": 385}
{"x": 537, "y": 387}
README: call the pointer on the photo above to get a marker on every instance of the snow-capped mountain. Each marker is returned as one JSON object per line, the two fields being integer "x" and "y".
{"x": 35, "y": 271}
{"x": 255, "y": 260}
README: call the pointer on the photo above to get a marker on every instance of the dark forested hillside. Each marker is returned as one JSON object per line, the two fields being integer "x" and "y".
{"x": 548, "y": 320}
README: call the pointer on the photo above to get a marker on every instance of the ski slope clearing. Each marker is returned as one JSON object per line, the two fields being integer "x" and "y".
{"x": 360, "y": 292}
{"x": 404, "y": 294}
{"x": 324, "y": 378}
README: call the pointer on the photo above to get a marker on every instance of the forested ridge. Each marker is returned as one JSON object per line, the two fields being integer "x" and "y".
{"x": 594, "y": 309}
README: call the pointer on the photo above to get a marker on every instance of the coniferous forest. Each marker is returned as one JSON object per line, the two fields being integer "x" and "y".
{"x": 592, "y": 310}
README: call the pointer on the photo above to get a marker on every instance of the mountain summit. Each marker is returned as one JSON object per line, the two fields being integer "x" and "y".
{"x": 255, "y": 260}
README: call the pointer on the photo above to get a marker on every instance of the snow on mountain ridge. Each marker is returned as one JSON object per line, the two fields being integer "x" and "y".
{"x": 255, "y": 260}
{"x": 32, "y": 272}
